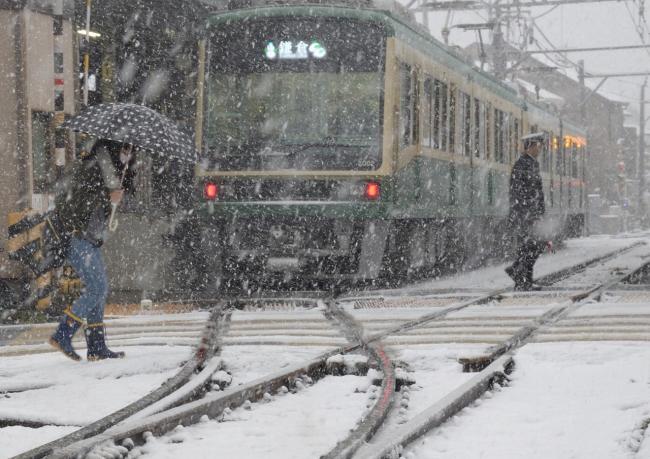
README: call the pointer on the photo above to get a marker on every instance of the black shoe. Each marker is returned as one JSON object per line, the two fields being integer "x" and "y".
{"x": 97, "y": 349}
{"x": 527, "y": 287}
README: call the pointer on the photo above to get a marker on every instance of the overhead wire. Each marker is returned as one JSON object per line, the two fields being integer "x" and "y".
{"x": 638, "y": 27}
{"x": 561, "y": 60}
{"x": 567, "y": 62}
{"x": 541, "y": 15}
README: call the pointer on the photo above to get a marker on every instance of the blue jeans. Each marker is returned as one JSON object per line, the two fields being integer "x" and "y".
{"x": 88, "y": 263}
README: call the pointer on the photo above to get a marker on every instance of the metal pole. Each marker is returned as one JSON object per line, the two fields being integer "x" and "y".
{"x": 498, "y": 45}
{"x": 581, "y": 79}
{"x": 641, "y": 170}
{"x": 59, "y": 90}
{"x": 200, "y": 94}
{"x": 87, "y": 52}
{"x": 425, "y": 19}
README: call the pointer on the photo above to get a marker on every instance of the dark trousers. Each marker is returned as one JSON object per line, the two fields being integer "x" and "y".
{"x": 528, "y": 251}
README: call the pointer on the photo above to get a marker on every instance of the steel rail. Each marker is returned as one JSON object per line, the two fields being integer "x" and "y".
{"x": 496, "y": 364}
{"x": 525, "y": 334}
{"x": 367, "y": 427}
{"x": 438, "y": 413}
{"x": 191, "y": 412}
{"x": 204, "y": 351}
{"x": 545, "y": 280}
{"x": 211, "y": 405}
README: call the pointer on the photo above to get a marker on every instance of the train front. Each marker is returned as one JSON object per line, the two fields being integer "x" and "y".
{"x": 293, "y": 183}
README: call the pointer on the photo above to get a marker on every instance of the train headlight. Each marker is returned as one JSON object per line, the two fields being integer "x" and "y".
{"x": 372, "y": 191}
{"x": 210, "y": 191}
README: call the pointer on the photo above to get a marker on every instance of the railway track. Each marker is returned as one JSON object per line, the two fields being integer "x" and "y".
{"x": 507, "y": 322}
{"x": 330, "y": 327}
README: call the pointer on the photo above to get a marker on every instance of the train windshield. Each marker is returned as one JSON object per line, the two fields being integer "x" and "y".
{"x": 298, "y": 94}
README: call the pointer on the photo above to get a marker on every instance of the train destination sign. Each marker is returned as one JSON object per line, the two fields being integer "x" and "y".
{"x": 287, "y": 49}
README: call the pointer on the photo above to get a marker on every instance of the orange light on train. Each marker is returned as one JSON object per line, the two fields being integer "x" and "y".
{"x": 570, "y": 140}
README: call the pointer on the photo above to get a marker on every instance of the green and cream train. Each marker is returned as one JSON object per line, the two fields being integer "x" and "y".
{"x": 342, "y": 141}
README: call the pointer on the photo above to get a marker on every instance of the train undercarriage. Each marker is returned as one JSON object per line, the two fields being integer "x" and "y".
{"x": 218, "y": 253}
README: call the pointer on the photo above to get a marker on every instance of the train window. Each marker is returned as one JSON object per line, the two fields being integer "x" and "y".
{"x": 546, "y": 154}
{"x": 415, "y": 108}
{"x": 444, "y": 117}
{"x": 574, "y": 162}
{"x": 558, "y": 163}
{"x": 452, "y": 118}
{"x": 499, "y": 153}
{"x": 452, "y": 184}
{"x": 505, "y": 136}
{"x": 427, "y": 112}
{"x": 551, "y": 154}
{"x": 488, "y": 129}
{"x": 466, "y": 127}
{"x": 437, "y": 108}
{"x": 490, "y": 188}
{"x": 477, "y": 131}
{"x": 515, "y": 137}
{"x": 406, "y": 105}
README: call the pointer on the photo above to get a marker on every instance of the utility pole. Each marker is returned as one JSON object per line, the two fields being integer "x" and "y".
{"x": 59, "y": 92}
{"x": 641, "y": 171}
{"x": 581, "y": 80}
{"x": 498, "y": 44}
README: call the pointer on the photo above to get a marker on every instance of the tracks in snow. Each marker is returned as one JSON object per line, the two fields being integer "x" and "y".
{"x": 446, "y": 318}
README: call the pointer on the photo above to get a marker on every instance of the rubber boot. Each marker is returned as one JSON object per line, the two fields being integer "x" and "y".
{"x": 62, "y": 337}
{"x": 95, "y": 339}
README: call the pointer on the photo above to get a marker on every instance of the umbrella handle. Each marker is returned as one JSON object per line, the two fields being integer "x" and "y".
{"x": 112, "y": 221}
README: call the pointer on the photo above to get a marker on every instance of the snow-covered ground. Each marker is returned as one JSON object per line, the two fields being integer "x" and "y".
{"x": 573, "y": 399}
{"x": 306, "y": 424}
{"x": 493, "y": 277}
{"x": 74, "y": 394}
{"x": 565, "y": 400}
{"x": 247, "y": 363}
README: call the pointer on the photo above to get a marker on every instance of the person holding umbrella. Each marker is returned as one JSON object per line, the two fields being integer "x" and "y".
{"x": 96, "y": 184}
{"x": 87, "y": 208}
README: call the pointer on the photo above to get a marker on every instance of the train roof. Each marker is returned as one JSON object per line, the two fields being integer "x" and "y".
{"x": 400, "y": 21}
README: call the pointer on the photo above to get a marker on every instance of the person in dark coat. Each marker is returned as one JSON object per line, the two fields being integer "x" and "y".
{"x": 526, "y": 208}
{"x": 83, "y": 209}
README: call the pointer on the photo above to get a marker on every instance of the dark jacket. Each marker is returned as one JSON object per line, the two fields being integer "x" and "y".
{"x": 86, "y": 193}
{"x": 526, "y": 193}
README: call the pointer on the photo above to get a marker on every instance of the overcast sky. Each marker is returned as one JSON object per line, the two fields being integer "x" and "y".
{"x": 573, "y": 26}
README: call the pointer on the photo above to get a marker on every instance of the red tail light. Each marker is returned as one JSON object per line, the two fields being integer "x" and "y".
{"x": 210, "y": 191}
{"x": 372, "y": 191}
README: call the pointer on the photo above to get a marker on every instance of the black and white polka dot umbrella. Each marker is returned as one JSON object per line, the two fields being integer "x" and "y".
{"x": 137, "y": 125}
